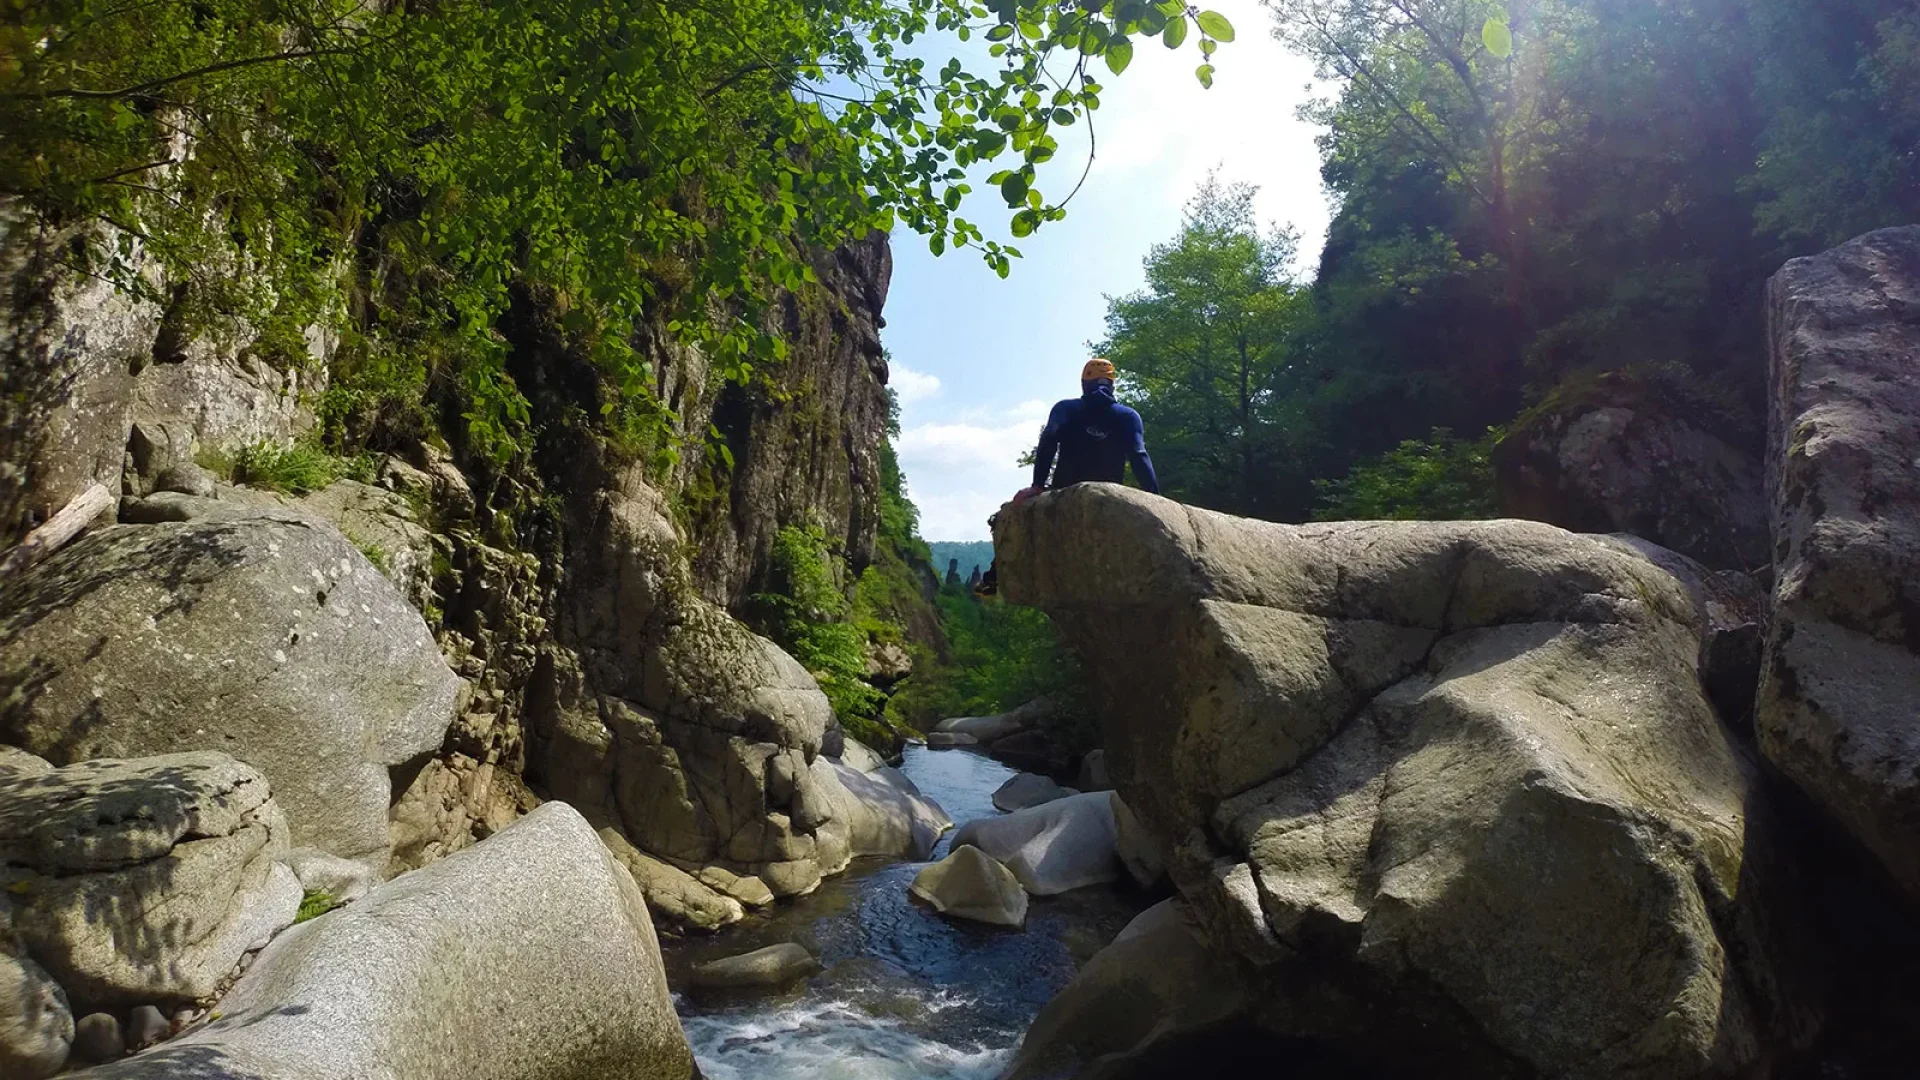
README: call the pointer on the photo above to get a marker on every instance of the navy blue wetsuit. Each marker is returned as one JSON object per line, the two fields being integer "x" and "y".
{"x": 1095, "y": 438}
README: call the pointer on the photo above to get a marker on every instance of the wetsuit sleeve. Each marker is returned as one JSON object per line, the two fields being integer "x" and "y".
{"x": 1137, "y": 456}
{"x": 1049, "y": 446}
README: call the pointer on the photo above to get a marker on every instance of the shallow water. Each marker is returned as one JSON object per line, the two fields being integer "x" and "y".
{"x": 906, "y": 993}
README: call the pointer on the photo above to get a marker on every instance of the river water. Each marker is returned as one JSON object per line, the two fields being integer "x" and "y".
{"x": 906, "y": 993}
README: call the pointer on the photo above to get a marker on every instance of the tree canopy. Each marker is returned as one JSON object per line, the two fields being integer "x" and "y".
{"x": 1530, "y": 192}
{"x": 630, "y": 158}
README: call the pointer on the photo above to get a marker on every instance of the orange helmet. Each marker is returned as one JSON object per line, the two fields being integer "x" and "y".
{"x": 1097, "y": 368}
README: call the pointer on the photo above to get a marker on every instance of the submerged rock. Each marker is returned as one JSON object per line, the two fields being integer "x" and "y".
{"x": 1053, "y": 848}
{"x": 773, "y": 966}
{"x": 1028, "y": 789}
{"x": 269, "y": 637}
{"x": 1462, "y": 778}
{"x": 970, "y": 884}
{"x": 526, "y": 957}
{"x": 143, "y": 880}
{"x": 1837, "y": 706}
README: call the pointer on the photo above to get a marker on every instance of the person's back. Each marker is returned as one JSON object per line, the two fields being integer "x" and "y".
{"x": 1094, "y": 437}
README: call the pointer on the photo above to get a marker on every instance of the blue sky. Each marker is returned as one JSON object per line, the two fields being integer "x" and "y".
{"x": 978, "y": 360}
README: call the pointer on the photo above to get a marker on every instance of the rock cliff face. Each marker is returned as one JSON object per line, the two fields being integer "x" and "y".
{"x": 1442, "y": 789}
{"x": 1839, "y": 707}
{"x": 585, "y": 604}
{"x": 1613, "y": 453}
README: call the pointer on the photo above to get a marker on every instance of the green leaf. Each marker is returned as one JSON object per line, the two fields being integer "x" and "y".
{"x": 1119, "y": 55}
{"x": 1000, "y": 33}
{"x": 1215, "y": 25}
{"x": 1207, "y": 45}
{"x": 1205, "y": 74}
{"x": 1497, "y": 38}
{"x": 1014, "y": 189}
{"x": 1025, "y": 222}
{"x": 1175, "y": 33}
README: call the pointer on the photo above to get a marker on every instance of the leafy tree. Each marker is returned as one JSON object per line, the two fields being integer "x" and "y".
{"x": 1203, "y": 350}
{"x": 1440, "y": 479}
{"x": 629, "y": 159}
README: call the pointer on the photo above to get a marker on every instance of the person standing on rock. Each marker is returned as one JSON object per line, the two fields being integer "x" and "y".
{"x": 1093, "y": 438}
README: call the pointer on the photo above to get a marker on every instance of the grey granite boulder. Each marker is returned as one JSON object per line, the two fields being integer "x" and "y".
{"x": 1028, "y": 789}
{"x": 1451, "y": 790}
{"x": 678, "y": 898}
{"x": 1837, "y": 707}
{"x": 970, "y": 884}
{"x": 883, "y": 812}
{"x": 269, "y": 637}
{"x": 36, "y": 1025}
{"x": 1052, "y": 848}
{"x": 143, "y": 880}
{"x": 773, "y": 966}
{"x": 529, "y": 956}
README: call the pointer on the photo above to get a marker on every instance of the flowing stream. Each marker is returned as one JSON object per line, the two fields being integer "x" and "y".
{"x": 906, "y": 993}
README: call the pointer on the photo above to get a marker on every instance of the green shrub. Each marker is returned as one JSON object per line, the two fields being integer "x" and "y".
{"x": 315, "y": 904}
{"x": 1442, "y": 479}
{"x": 298, "y": 468}
{"x": 809, "y": 620}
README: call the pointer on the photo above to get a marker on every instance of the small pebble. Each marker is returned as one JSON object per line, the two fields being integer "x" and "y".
{"x": 145, "y": 1027}
{"x": 96, "y": 1037}
{"x": 183, "y": 1019}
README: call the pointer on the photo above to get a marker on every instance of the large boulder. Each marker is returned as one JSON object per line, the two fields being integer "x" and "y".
{"x": 1465, "y": 773}
{"x": 1023, "y": 790}
{"x": 1156, "y": 981}
{"x": 1837, "y": 707}
{"x": 970, "y": 884}
{"x": 883, "y": 811}
{"x": 986, "y": 729}
{"x": 36, "y": 1024}
{"x": 1626, "y": 452}
{"x": 1052, "y": 848}
{"x": 768, "y": 968}
{"x": 529, "y": 956}
{"x": 678, "y": 898}
{"x": 145, "y": 880}
{"x": 269, "y": 637}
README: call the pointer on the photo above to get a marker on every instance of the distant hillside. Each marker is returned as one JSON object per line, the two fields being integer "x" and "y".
{"x": 971, "y": 553}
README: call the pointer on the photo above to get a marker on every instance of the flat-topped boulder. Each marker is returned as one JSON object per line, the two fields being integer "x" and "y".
{"x": 144, "y": 880}
{"x": 1466, "y": 772}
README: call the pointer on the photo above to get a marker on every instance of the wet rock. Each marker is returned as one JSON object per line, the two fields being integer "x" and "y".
{"x": 1440, "y": 788}
{"x": 146, "y": 1026}
{"x": 530, "y": 948}
{"x": 747, "y": 889}
{"x": 269, "y": 636}
{"x": 1842, "y": 666}
{"x": 143, "y": 880}
{"x": 970, "y": 884}
{"x": 884, "y": 813}
{"x": 769, "y": 968}
{"x": 97, "y": 1037}
{"x": 36, "y": 1025}
{"x": 948, "y": 740}
{"x": 1053, "y": 848}
{"x": 1026, "y": 789}
{"x": 1156, "y": 982}
{"x": 673, "y": 894}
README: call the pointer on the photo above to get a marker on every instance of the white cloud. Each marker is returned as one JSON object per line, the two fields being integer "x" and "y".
{"x": 960, "y": 471}
{"x": 912, "y": 386}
